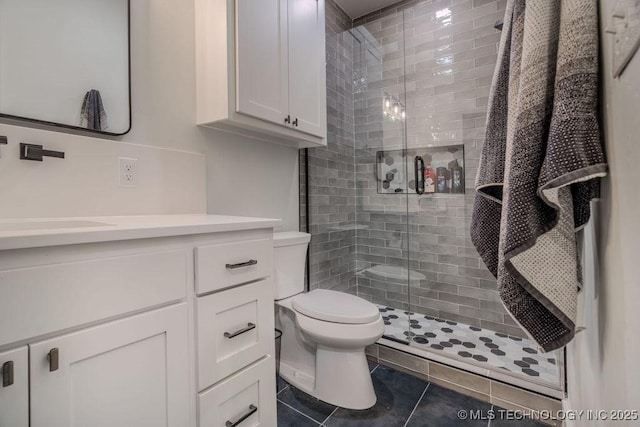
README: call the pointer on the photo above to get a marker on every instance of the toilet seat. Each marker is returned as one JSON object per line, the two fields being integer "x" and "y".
{"x": 338, "y": 335}
{"x": 335, "y": 307}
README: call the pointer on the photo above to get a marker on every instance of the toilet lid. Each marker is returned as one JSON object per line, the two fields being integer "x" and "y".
{"x": 336, "y": 307}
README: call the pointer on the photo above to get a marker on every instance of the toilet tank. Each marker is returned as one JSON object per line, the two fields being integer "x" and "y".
{"x": 289, "y": 259}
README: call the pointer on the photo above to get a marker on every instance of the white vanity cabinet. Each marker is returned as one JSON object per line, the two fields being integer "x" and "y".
{"x": 166, "y": 330}
{"x": 85, "y": 357}
{"x": 260, "y": 68}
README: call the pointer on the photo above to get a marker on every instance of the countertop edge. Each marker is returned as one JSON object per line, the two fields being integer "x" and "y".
{"x": 129, "y": 233}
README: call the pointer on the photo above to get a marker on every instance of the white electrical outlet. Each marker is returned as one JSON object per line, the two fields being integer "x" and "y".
{"x": 128, "y": 172}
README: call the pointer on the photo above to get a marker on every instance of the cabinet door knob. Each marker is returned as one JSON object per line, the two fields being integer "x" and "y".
{"x": 7, "y": 374}
{"x": 54, "y": 359}
{"x": 295, "y": 122}
{"x": 287, "y": 119}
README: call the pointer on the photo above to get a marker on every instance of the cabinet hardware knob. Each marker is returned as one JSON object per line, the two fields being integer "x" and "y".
{"x": 252, "y": 410}
{"x": 7, "y": 374}
{"x": 241, "y": 265}
{"x": 54, "y": 359}
{"x": 250, "y": 326}
{"x": 295, "y": 122}
{"x": 287, "y": 119}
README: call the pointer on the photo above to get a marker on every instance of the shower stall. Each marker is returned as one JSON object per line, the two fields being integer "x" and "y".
{"x": 388, "y": 202}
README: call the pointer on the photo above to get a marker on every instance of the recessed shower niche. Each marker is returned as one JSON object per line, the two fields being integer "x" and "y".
{"x": 423, "y": 171}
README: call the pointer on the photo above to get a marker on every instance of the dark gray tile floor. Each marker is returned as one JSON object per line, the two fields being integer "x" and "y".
{"x": 403, "y": 400}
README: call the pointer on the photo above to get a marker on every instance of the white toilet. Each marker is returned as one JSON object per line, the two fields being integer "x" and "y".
{"x": 324, "y": 332}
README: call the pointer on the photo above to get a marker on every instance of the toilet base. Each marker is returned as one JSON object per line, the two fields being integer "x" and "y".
{"x": 342, "y": 378}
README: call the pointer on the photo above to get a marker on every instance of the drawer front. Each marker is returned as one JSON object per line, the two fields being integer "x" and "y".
{"x": 245, "y": 399}
{"x": 235, "y": 328}
{"x": 39, "y": 300}
{"x": 228, "y": 264}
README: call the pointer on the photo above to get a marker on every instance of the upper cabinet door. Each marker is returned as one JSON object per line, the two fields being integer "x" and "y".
{"x": 131, "y": 372}
{"x": 14, "y": 388}
{"x": 307, "y": 66}
{"x": 261, "y": 59}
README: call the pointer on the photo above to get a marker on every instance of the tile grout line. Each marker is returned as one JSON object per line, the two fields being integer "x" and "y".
{"x": 417, "y": 403}
{"x": 492, "y": 406}
{"x": 330, "y": 415}
{"x": 294, "y": 409}
{"x": 283, "y": 389}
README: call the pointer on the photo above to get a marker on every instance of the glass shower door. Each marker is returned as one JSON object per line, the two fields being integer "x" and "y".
{"x": 453, "y": 297}
{"x": 383, "y": 177}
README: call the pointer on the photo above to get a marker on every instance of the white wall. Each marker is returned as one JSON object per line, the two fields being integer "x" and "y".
{"x": 603, "y": 361}
{"x": 243, "y": 176}
{"x": 86, "y": 182}
{"x": 68, "y": 55}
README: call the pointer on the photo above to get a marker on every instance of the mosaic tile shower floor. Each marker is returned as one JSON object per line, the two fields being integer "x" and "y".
{"x": 480, "y": 346}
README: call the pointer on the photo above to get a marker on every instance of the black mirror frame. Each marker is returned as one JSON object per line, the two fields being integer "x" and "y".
{"x": 78, "y": 128}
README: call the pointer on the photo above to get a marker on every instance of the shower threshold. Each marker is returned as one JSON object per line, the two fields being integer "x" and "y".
{"x": 492, "y": 354}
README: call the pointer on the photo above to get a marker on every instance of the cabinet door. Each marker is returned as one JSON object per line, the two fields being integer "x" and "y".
{"x": 307, "y": 66}
{"x": 130, "y": 372}
{"x": 14, "y": 388}
{"x": 261, "y": 59}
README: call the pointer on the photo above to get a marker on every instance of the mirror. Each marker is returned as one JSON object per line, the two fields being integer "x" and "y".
{"x": 66, "y": 63}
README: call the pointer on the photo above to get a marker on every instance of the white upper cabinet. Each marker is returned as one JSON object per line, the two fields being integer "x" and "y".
{"x": 307, "y": 81}
{"x": 260, "y": 69}
{"x": 262, "y": 58}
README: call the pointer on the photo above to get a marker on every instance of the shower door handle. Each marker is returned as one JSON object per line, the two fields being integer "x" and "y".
{"x": 419, "y": 174}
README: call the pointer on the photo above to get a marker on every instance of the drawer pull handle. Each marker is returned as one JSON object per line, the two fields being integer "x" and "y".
{"x": 7, "y": 374}
{"x": 241, "y": 265}
{"x": 250, "y": 326}
{"x": 53, "y": 359}
{"x": 252, "y": 410}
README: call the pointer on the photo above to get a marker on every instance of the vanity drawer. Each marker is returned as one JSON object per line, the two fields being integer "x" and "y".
{"x": 248, "y": 398}
{"x": 235, "y": 328}
{"x": 227, "y": 264}
{"x": 42, "y": 299}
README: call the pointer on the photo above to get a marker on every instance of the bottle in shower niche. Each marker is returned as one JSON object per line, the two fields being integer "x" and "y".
{"x": 429, "y": 180}
{"x": 457, "y": 178}
{"x": 442, "y": 185}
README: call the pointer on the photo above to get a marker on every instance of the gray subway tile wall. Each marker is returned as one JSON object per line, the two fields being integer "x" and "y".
{"x": 437, "y": 58}
{"x": 332, "y": 209}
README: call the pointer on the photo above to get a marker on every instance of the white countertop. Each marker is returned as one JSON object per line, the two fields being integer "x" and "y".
{"x": 40, "y": 232}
